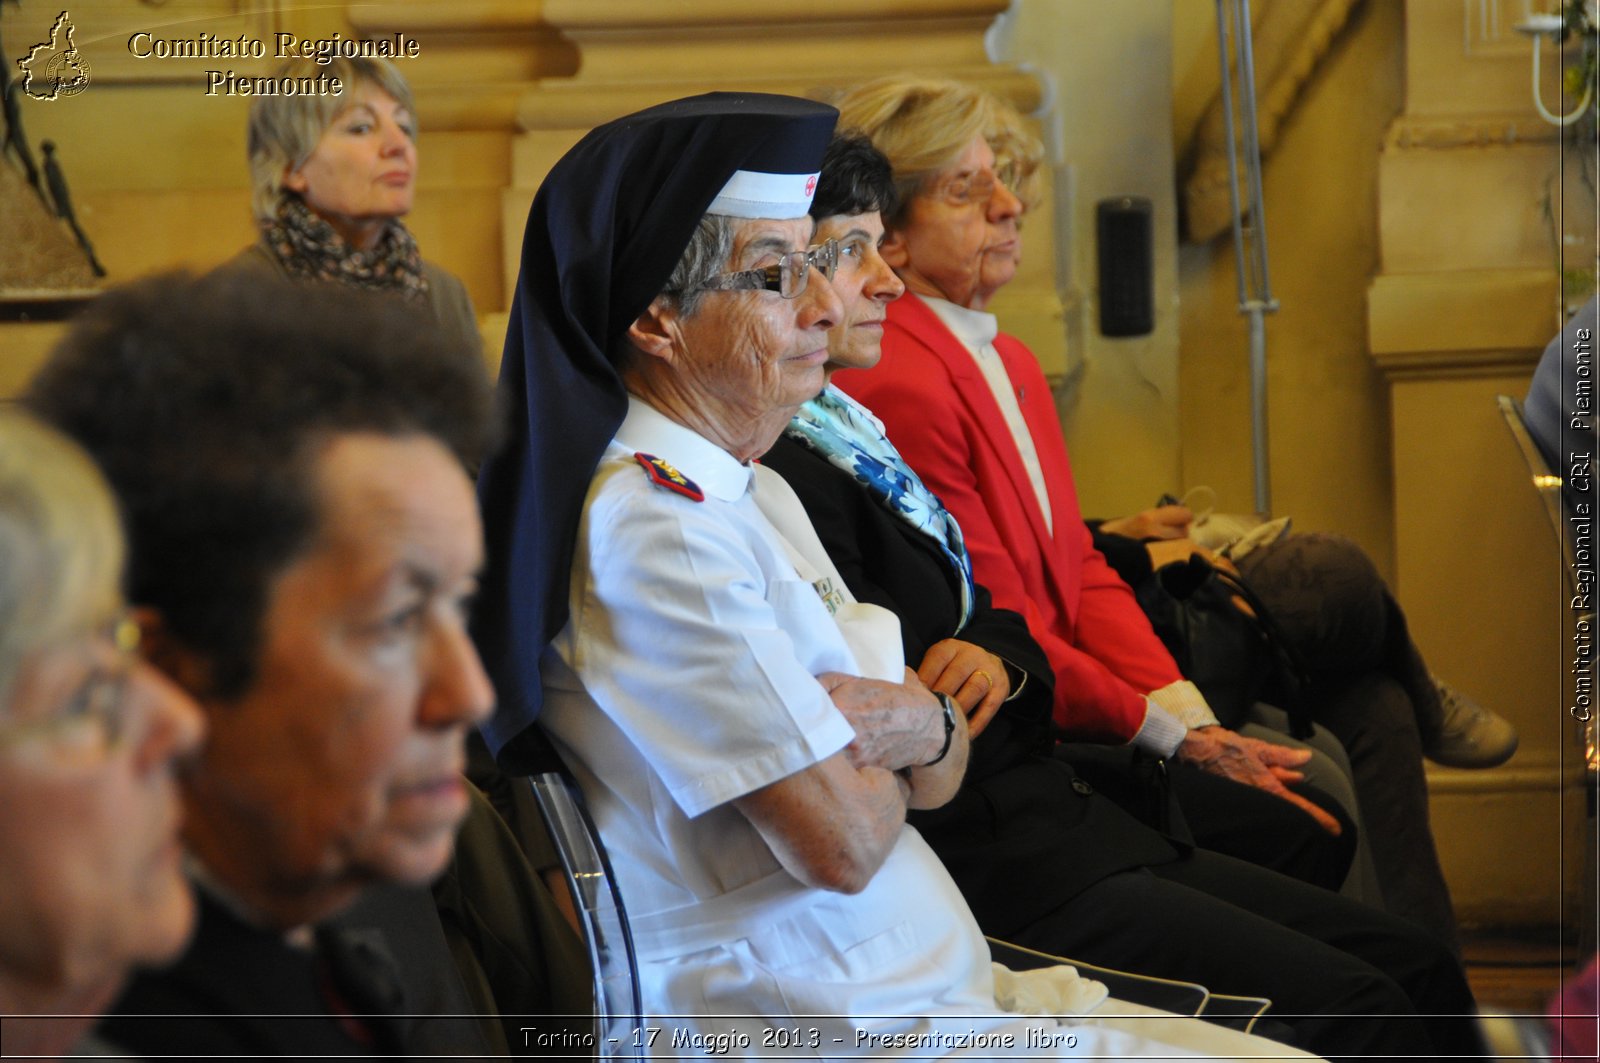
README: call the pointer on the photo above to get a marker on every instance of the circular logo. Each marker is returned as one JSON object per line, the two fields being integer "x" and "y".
{"x": 67, "y": 73}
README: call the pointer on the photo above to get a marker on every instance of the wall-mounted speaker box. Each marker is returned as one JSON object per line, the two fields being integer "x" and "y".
{"x": 1127, "y": 266}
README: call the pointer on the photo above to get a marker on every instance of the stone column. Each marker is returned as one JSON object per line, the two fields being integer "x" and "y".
{"x": 1462, "y": 305}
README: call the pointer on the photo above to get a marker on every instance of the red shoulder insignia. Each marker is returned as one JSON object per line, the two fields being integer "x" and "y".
{"x": 664, "y": 475}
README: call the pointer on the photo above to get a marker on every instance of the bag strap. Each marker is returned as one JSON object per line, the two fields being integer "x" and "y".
{"x": 1290, "y": 663}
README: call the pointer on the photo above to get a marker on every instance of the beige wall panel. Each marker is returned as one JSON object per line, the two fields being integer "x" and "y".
{"x": 460, "y": 230}
{"x": 535, "y": 151}
{"x": 1118, "y": 397}
{"x": 1480, "y": 581}
{"x": 532, "y": 155}
{"x": 143, "y": 138}
{"x": 22, "y": 351}
{"x": 1464, "y": 57}
{"x": 1511, "y": 851}
{"x": 1493, "y": 198}
{"x": 456, "y": 215}
{"x": 450, "y": 160}
{"x": 1479, "y": 571}
{"x": 139, "y": 232}
{"x": 492, "y": 328}
{"x": 835, "y": 49}
{"x": 1327, "y": 423}
{"x": 1463, "y": 303}
{"x": 1470, "y": 316}
{"x": 581, "y": 15}
{"x": 514, "y": 204}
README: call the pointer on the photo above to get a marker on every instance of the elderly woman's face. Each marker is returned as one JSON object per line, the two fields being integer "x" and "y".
{"x": 341, "y": 765}
{"x": 959, "y": 240}
{"x": 747, "y": 354}
{"x": 362, "y": 173}
{"x": 89, "y": 811}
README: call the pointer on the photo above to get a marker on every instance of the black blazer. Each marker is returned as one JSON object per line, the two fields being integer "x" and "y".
{"x": 230, "y": 992}
{"x": 1024, "y": 834}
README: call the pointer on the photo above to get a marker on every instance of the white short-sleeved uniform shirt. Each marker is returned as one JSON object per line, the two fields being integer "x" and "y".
{"x": 685, "y": 679}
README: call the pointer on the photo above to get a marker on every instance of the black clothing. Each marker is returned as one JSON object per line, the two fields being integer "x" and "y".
{"x": 1026, "y": 829}
{"x": 242, "y": 991}
{"x": 887, "y": 562}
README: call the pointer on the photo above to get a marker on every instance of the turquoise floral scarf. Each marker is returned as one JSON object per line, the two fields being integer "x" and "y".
{"x": 844, "y": 432}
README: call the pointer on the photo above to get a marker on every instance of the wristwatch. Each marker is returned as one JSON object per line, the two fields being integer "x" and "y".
{"x": 952, "y": 713}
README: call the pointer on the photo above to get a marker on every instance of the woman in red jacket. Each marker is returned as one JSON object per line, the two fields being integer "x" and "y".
{"x": 972, "y": 413}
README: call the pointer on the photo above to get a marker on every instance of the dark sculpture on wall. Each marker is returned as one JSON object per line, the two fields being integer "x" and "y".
{"x": 52, "y": 191}
{"x": 63, "y": 203}
{"x": 15, "y": 141}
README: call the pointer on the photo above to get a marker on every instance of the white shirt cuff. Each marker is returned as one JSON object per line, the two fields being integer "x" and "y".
{"x": 1184, "y": 700}
{"x": 1161, "y": 733}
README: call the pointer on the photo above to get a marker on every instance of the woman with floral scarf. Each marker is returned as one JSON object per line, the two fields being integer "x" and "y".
{"x": 331, "y": 178}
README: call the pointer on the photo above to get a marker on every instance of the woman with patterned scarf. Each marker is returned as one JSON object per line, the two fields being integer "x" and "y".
{"x": 331, "y": 177}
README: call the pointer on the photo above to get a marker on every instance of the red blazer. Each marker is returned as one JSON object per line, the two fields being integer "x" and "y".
{"x": 940, "y": 413}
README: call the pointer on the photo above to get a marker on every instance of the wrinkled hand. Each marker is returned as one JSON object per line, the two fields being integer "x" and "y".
{"x": 898, "y": 725}
{"x": 1254, "y": 763}
{"x": 1163, "y": 522}
{"x": 976, "y": 678}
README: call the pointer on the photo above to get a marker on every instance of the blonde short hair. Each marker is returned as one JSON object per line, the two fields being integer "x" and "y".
{"x": 61, "y": 549}
{"x": 924, "y": 124}
{"x": 284, "y": 130}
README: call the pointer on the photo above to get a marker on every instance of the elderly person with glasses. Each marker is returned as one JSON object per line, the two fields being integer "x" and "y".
{"x": 745, "y": 732}
{"x": 90, "y": 738}
{"x": 331, "y": 177}
{"x": 303, "y": 546}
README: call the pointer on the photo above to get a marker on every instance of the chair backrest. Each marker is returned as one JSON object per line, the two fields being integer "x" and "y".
{"x": 602, "y": 918}
{"x": 1549, "y": 486}
{"x": 1547, "y": 483}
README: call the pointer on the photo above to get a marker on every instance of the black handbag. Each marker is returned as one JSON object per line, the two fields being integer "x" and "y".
{"x": 1235, "y": 659}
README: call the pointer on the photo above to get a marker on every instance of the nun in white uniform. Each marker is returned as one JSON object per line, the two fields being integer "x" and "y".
{"x": 747, "y": 737}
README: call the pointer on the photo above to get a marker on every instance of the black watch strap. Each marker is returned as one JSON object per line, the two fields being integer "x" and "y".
{"x": 952, "y": 713}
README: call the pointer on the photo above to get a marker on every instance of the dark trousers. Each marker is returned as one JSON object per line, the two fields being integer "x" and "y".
{"x": 1224, "y": 816}
{"x": 1345, "y": 979}
{"x": 1371, "y": 688}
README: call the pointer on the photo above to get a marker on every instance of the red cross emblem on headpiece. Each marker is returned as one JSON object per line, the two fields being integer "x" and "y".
{"x": 811, "y": 184}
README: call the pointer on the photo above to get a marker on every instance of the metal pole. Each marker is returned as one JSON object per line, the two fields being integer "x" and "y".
{"x": 1249, "y": 226}
{"x": 1231, "y": 139}
{"x": 1258, "y": 407}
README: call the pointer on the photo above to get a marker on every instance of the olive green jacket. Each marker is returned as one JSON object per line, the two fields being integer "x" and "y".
{"x": 447, "y": 297}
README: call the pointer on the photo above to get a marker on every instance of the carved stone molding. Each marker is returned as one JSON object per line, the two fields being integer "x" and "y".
{"x": 578, "y": 105}
{"x": 634, "y": 53}
{"x": 482, "y": 56}
{"x": 1468, "y": 131}
{"x": 1463, "y": 323}
{"x": 649, "y": 16}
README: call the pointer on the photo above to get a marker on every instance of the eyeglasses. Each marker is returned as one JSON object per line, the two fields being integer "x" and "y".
{"x": 96, "y": 715}
{"x": 851, "y": 256}
{"x": 967, "y": 189}
{"x": 787, "y": 278}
